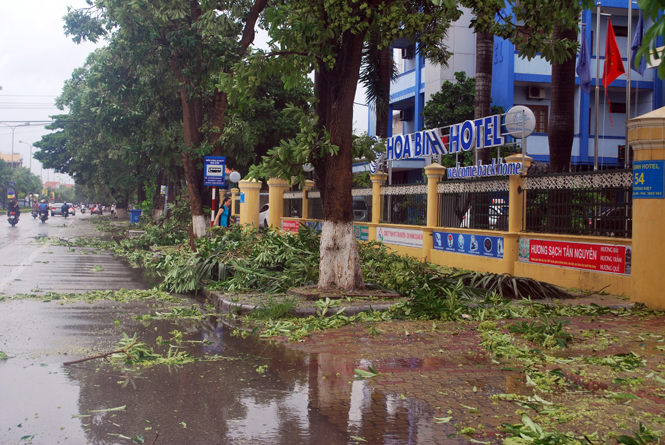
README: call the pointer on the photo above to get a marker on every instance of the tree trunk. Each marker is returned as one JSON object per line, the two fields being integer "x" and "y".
{"x": 484, "y": 60}
{"x": 340, "y": 264}
{"x": 561, "y": 129}
{"x": 383, "y": 105}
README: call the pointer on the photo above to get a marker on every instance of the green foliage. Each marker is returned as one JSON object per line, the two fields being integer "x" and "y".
{"x": 653, "y": 9}
{"x": 133, "y": 351}
{"x": 642, "y": 436}
{"x": 535, "y": 434}
{"x": 3, "y": 356}
{"x": 26, "y": 182}
{"x": 546, "y": 332}
{"x": 508, "y": 286}
{"x": 271, "y": 308}
{"x": 454, "y": 103}
{"x": 619, "y": 362}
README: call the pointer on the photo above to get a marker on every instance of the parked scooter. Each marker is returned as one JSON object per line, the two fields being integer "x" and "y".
{"x": 12, "y": 218}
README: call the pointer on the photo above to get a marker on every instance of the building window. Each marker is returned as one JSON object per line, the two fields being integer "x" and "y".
{"x": 620, "y": 31}
{"x": 540, "y": 111}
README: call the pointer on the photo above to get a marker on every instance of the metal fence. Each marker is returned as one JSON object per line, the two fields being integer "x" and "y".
{"x": 589, "y": 203}
{"x": 293, "y": 204}
{"x": 362, "y": 205}
{"x": 474, "y": 204}
{"x": 404, "y": 204}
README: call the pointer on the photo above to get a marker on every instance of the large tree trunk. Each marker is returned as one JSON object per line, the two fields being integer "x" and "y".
{"x": 484, "y": 60}
{"x": 562, "y": 109}
{"x": 383, "y": 105}
{"x": 340, "y": 264}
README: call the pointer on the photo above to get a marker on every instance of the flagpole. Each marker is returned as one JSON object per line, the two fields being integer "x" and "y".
{"x": 630, "y": 50}
{"x": 595, "y": 149}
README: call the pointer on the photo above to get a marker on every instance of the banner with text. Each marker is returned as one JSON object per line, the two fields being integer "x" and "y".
{"x": 400, "y": 237}
{"x": 599, "y": 257}
{"x": 481, "y": 245}
{"x": 290, "y": 225}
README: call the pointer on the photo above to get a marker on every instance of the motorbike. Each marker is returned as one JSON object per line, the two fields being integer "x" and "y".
{"x": 82, "y": 209}
{"x": 43, "y": 216}
{"x": 12, "y": 218}
{"x": 65, "y": 213}
{"x": 35, "y": 214}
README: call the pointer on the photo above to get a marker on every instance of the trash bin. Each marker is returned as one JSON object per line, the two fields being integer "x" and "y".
{"x": 134, "y": 215}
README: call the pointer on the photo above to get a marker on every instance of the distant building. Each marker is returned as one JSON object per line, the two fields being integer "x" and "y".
{"x": 56, "y": 185}
{"x": 17, "y": 161}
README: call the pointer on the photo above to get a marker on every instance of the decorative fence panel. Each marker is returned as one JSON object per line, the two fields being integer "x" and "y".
{"x": 474, "y": 204}
{"x": 589, "y": 203}
{"x": 404, "y": 204}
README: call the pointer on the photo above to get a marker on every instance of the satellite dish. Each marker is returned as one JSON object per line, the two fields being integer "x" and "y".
{"x": 234, "y": 177}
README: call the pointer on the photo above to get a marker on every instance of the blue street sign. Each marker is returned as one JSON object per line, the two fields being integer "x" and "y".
{"x": 481, "y": 245}
{"x": 649, "y": 180}
{"x": 214, "y": 168}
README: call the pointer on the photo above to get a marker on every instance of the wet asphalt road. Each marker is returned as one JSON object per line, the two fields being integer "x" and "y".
{"x": 26, "y": 264}
{"x": 207, "y": 402}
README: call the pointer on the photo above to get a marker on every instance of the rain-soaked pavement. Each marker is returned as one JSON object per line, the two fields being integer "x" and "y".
{"x": 435, "y": 382}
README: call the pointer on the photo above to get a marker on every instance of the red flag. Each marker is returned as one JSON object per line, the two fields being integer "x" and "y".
{"x": 613, "y": 67}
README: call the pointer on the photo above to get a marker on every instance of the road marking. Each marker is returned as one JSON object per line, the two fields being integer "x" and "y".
{"x": 16, "y": 272}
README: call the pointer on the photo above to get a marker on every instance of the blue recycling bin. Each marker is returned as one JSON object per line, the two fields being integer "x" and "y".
{"x": 134, "y": 215}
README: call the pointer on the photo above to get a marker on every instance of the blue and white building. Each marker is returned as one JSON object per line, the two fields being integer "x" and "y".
{"x": 517, "y": 81}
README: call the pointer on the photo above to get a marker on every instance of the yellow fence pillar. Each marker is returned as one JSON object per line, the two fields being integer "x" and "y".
{"x": 434, "y": 174}
{"x": 646, "y": 136}
{"x": 516, "y": 202}
{"x": 276, "y": 201}
{"x": 309, "y": 185}
{"x": 234, "y": 195}
{"x": 250, "y": 200}
{"x": 377, "y": 180}
{"x": 516, "y": 196}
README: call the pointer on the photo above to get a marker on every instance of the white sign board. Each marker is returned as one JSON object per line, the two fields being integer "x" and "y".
{"x": 400, "y": 237}
{"x": 520, "y": 122}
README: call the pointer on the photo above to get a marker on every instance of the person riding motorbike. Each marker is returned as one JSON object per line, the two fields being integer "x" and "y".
{"x": 14, "y": 207}
{"x": 43, "y": 207}
{"x": 65, "y": 209}
{"x": 35, "y": 209}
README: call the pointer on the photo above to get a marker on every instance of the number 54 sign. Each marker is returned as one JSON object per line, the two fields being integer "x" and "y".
{"x": 649, "y": 180}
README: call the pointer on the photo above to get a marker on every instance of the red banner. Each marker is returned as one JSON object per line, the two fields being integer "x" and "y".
{"x": 290, "y": 225}
{"x": 598, "y": 257}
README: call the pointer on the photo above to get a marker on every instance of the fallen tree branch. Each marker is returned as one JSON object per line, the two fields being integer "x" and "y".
{"x": 108, "y": 354}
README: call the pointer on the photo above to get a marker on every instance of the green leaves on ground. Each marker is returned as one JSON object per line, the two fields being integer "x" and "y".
{"x": 366, "y": 374}
{"x": 531, "y": 432}
{"x": 546, "y": 332}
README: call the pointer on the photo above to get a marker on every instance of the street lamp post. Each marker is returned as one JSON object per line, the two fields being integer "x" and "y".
{"x": 31, "y": 147}
{"x": 13, "y": 127}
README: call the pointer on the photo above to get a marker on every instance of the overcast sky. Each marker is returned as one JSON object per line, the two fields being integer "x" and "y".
{"x": 35, "y": 60}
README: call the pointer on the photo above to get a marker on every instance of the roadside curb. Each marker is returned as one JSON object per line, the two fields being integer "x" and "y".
{"x": 224, "y": 306}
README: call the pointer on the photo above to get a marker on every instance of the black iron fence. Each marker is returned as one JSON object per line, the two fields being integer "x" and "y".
{"x": 474, "y": 204}
{"x": 362, "y": 205}
{"x": 293, "y": 204}
{"x": 404, "y": 204}
{"x": 589, "y": 203}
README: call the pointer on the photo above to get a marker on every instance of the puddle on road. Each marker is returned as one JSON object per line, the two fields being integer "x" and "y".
{"x": 301, "y": 398}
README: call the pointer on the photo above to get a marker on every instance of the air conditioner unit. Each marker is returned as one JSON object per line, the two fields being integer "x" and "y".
{"x": 409, "y": 52}
{"x": 535, "y": 93}
{"x": 406, "y": 115}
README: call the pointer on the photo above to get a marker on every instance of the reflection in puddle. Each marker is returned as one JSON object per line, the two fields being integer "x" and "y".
{"x": 301, "y": 398}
